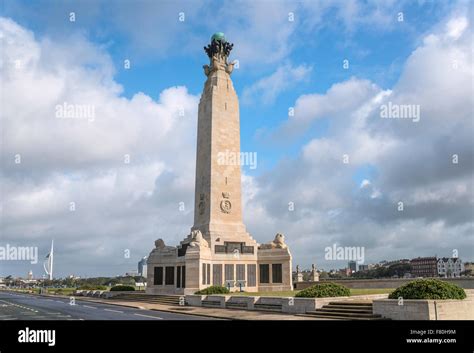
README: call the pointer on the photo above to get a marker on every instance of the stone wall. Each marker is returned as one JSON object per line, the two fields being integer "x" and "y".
{"x": 388, "y": 308}
{"x": 288, "y": 305}
{"x": 464, "y": 282}
{"x": 417, "y": 309}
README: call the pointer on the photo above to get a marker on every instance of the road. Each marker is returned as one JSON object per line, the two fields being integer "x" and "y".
{"x": 18, "y": 306}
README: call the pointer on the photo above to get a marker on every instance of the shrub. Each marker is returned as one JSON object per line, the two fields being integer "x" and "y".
{"x": 122, "y": 288}
{"x": 213, "y": 290}
{"x": 322, "y": 290}
{"x": 92, "y": 287}
{"x": 428, "y": 289}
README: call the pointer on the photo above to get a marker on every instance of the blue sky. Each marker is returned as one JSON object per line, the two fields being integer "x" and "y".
{"x": 376, "y": 53}
{"x": 283, "y": 64}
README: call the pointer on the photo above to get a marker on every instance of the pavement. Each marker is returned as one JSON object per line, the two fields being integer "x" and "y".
{"x": 216, "y": 313}
{"x": 108, "y": 310}
{"x": 19, "y": 306}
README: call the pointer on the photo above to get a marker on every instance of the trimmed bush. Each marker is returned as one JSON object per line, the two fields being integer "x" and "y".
{"x": 323, "y": 290}
{"x": 213, "y": 290}
{"x": 428, "y": 289}
{"x": 122, "y": 288}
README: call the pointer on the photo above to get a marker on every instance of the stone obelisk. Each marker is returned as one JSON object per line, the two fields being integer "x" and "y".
{"x": 218, "y": 251}
{"x": 218, "y": 203}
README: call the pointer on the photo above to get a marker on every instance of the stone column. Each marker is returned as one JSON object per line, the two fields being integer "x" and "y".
{"x": 314, "y": 276}
{"x": 299, "y": 275}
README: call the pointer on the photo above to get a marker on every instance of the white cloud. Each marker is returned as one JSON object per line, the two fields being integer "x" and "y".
{"x": 456, "y": 27}
{"x": 126, "y": 206}
{"x": 267, "y": 89}
{"x": 117, "y": 205}
{"x": 412, "y": 163}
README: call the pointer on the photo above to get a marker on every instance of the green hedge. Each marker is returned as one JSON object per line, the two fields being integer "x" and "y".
{"x": 213, "y": 290}
{"x": 322, "y": 290}
{"x": 428, "y": 289}
{"x": 122, "y": 288}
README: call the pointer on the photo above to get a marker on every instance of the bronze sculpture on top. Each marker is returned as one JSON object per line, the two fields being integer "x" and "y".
{"x": 218, "y": 51}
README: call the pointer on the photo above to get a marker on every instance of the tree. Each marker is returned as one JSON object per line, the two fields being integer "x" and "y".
{"x": 399, "y": 269}
{"x": 323, "y": 275}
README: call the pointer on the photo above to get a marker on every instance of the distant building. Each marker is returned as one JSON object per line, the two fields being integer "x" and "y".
{"x": 450, "y": 267}
{"x": 424, "y": 267}
{"x": 396, "y": 262}
{"x": 363, "y": 267}
{"x": 142, "y": 266}
{"x": 345, "y": 272}
{"x": 30, "y": 275}
{"x": 352, "y": 265}
{"x": 133, "y": 273}
{"x": 469, "y": 266}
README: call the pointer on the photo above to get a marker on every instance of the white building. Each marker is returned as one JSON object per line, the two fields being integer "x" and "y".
{"x": 450, "y": 267}
{"x": 142, "y": 267}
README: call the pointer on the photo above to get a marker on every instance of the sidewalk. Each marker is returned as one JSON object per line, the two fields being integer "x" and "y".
{"x": 228, "y": 314}
{"x": 218, "y": 313}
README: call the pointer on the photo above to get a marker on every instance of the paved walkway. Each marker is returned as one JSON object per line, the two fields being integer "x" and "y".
{"x": 231, "y": 314}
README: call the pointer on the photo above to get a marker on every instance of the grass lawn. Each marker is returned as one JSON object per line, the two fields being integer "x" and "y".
{"x": 362, "y": 291}
{"x": 288, "y": 293}
{"x": 291, "y": 293}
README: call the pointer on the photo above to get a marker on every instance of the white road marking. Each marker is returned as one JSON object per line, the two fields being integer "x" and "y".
{"x": 20, "y": 306}
{"x": 90, "y": 307}
{"x": 115, "y": 311}
{"x": 153, "y": 317}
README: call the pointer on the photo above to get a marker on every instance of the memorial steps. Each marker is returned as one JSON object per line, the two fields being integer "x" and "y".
{"x": 345, "y": 311}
